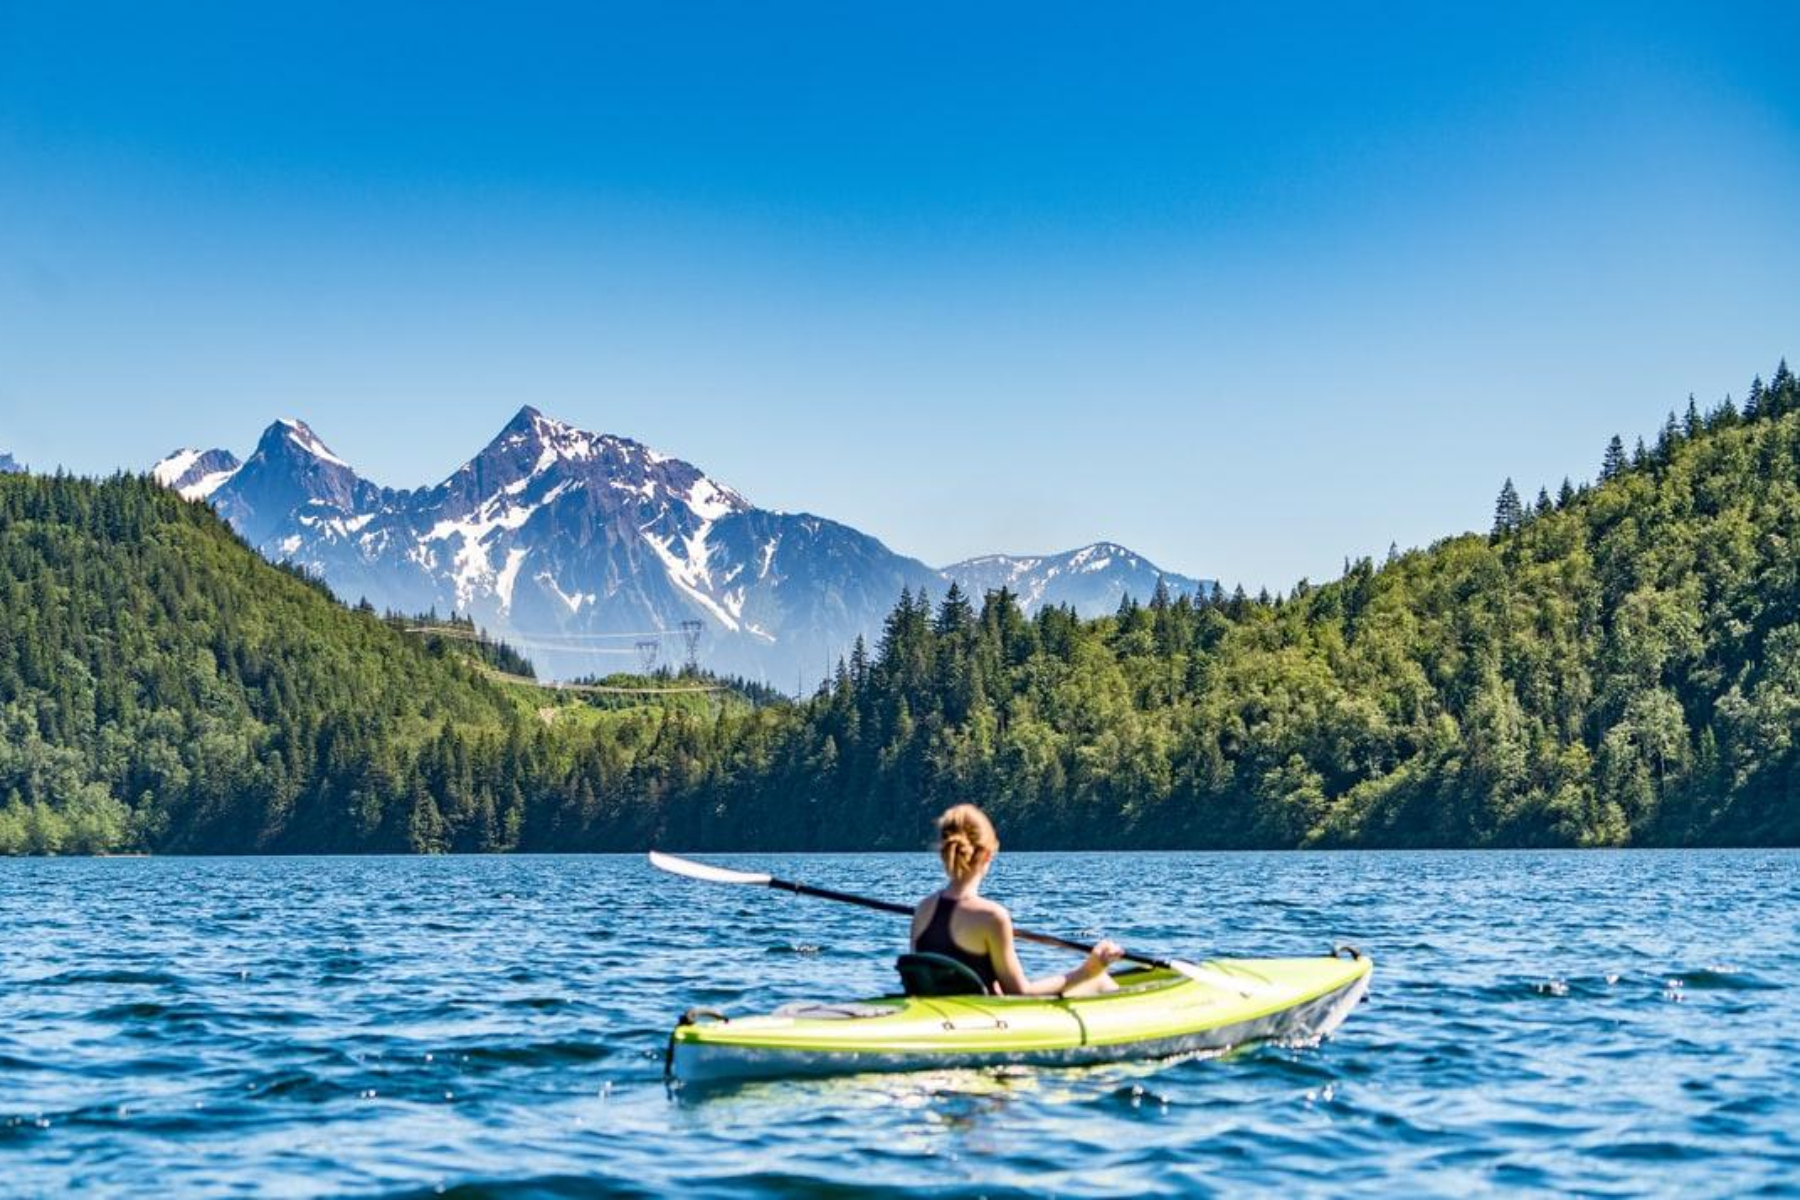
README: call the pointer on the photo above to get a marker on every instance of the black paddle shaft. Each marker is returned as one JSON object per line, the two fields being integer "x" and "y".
{"x": 888, "y": 906}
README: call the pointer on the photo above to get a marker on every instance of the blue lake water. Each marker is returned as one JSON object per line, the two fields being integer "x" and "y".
{"x": 1609, "y": 1023}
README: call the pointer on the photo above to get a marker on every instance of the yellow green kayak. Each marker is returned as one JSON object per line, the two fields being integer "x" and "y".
{"x": 1156, "y": 1012}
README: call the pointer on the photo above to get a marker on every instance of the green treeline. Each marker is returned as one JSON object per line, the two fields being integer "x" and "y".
{"x": 1615, "y": 664}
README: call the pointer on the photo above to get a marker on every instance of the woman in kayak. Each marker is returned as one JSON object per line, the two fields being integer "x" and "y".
{"x": 959, "y": 923}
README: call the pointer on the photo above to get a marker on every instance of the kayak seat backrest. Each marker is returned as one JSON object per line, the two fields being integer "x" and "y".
{"x": 937, "y": 975}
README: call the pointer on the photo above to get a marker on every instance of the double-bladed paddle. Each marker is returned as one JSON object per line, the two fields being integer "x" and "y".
{"x": 710, "y": 874}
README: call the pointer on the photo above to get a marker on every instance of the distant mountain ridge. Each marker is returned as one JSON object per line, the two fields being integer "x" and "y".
{"x": 10, "y": 465}
{"x": 587, "y": 549}
{"x": 1092, "y": 580}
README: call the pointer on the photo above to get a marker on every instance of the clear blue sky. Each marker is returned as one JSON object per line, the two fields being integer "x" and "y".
{"x": 1248, "y": 294}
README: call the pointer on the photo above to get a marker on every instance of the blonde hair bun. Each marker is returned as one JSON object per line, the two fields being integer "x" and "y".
{"x": 964, "y": 831}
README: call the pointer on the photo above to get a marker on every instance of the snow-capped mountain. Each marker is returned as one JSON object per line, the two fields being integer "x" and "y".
{"x": 574, "y": 546}
{"x": 10, "y": 465}
{"x": 196, "y": 474}
{"x": 577, "y": 546}
{"x": 290, "y": 483}
{"x": 1092, "y": 579}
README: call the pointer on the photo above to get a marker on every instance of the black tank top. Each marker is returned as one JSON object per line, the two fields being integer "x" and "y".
{"x": 937, "y": 940}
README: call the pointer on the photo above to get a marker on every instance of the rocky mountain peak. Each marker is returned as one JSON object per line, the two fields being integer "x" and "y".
{"x": 576, "y": 545}
{"x": 290, "y": 438}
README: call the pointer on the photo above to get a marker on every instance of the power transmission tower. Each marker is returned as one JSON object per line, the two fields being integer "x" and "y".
{"x": 647, "y": 648}
{"x": 690, "y": 632}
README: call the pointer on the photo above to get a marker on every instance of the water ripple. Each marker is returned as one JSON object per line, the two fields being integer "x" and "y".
{"x": 1606, "y": 1023}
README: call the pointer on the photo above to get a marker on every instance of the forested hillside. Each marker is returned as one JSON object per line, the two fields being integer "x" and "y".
{"x": 162, "y": 687}
{"x": 1614, "y": 664}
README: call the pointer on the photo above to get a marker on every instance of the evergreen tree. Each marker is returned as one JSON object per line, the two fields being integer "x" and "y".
{"x": 1509, "y": 513}
{"x": 1668, "y": 439}
{"x": 1613, "y": 464}
{"x": 955, "y": 616}
{"x": 1784, "y": 394}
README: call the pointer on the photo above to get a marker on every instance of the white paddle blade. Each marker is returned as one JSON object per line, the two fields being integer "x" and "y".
{"x": 694, "y": 870}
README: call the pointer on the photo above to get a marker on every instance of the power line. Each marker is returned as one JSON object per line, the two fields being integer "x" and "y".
{"x": 484, "y": 635}
{"x": 607, "y": 689}
{"x": 690, "y": 632}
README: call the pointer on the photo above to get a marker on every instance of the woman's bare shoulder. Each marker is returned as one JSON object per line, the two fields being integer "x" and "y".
{"x": 989, "y": 911}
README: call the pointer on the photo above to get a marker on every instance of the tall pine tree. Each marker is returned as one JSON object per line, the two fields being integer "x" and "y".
{"x": 1614, "y": 461}
{"x": 1509, "y": 513}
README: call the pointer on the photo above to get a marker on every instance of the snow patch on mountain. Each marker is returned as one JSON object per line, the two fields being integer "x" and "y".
{"x": 688, "y": 572}
{"x": 508, "y": 576}
{"x": 491, "y": 516}
{"x": 172, "y": 468}
{"x": 330, "y": 521}
{"x": 473, "y": 571}
{"x": 302, "y": 436}
{"x": 206, "y": 485}
{"x": 710, "y": 501}
{"x": 574, "y": 600}
{"x": 196, "y": 474}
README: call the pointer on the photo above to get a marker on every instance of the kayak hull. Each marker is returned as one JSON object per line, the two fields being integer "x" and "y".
{"x": 1155, "y": 1014}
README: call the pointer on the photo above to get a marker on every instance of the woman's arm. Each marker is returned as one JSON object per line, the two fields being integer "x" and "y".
{"x": 1011, "y": 974}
